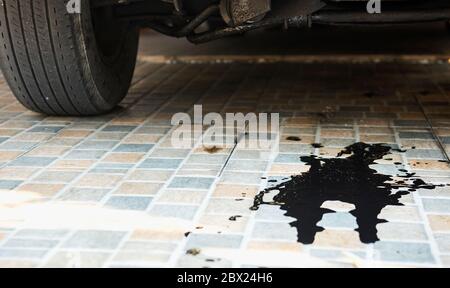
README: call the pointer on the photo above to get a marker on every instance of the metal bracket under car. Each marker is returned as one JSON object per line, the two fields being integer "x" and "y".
{"x": 239, "y": 12}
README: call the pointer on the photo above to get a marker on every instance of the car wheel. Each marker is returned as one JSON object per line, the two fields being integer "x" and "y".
{"x": 68, "y": 64}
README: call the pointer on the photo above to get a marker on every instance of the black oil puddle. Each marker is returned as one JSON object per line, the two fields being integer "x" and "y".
{"x": 348, "y": 179}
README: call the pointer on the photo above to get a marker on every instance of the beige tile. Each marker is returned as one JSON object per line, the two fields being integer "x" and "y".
{"x": 275, "y": 245}
{"x": 236, "y": 191}
{"x": 142, "y": 139}
{"x": 158, "y": 235}
{"x": 139, "y": 188}
{"x": 9, "y": 155}
{"x": 42, "y": 190}
{"x": 153, "y": 175}
{"x": 74, "y": 134}
{"x": 13, "y": 173}
{"x": 48, "y": 151}
{"x": 338, "y": 239}
{"x": 73, "y": 164}
{"x": 222, "y": 223}
{"x": 123, "y": 157}
{"x": 439, "y": 223}
{"x": 99, "y": 180}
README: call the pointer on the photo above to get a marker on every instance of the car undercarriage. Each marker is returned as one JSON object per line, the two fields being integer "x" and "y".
{"x": 206, "y": 20}
{"x": 77, "y": 57}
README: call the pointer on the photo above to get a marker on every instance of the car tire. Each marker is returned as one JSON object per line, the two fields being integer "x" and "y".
{"x": 62, "y": 63}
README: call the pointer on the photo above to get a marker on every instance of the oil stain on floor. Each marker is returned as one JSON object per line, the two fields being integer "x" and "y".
{"x": 347, "y": 178}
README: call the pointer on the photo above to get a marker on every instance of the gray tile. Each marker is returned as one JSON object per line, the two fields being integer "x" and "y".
{"x": 416, "y": 135}
{"x": 33, "y": 161}
{"x": 97, "y": 145}
{"x": 443, "y": 242}
{"x": 41, "y": 234}
{"x": 119, "y": 128}
{"x": 159, "y": 163}
{"x": 212, "y": 240}
{"x": 9, "y": 184}
{"x": 436, "y": 205}
{"x": 129, "y": 203}
{"x": 142, "y": 148}
{"x": 288, "y": 158}
{"x": 404, "y": 252}
{"x": 242, "y": 178}
{"x": 247, "y": 165}
{"x": 85, "y": 154}
{"x": 30, "y": 243}
{"x": 95, "y": 239}
{"x": 424, "y": 154}
{"x": 270, "y": 230}
{"x": 22, "y": 254}
{"x": 186, "y": 212}
{"x": 338, "y": 220}
{"x": 46, "y": 129}
{"x": 84, "y": 195}
{"x": 192, "y": 182}
{"x": 18, "y": 145}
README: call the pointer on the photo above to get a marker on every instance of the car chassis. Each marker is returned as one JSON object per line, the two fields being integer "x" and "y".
{"x": 206, "y": 20}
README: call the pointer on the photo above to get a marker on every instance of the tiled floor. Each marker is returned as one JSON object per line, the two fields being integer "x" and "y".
{"x": 111, "y": 191}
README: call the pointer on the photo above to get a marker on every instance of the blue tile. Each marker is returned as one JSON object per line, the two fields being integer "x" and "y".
{"x": 128, "y": 203}
{"x": 424, "y": 154}
{"x": 185, "y": 212}
{"x": 86, "y": 154}
{"x": 157, "y": 163}
{"x": 288, "y": 158}
{"x": 436, "y": 205}
{"x": 3, "y": 139}
{"x": 338, "y": 219}
{"x": 272, "y": 213}
{"x": 153, "y": 130}
{"x": 191, "y": 182}
{"x": 33, "y": 161}
{"x": 46, "y": 129}
{"x": 30, "y": 243}
{"x": 95, "y": 239}
{"x": 416, "y": 135}
{"x": 404, "y": 252}
{"x": 41, "y": 234}
{"x": 23, "y": 254}
{"x": 213, "y": 240}
{"x": 97, "y": 145}
{"x": 9, "y": 184}
{"x": 242, "y": 178}
{"x": 143, "y": 148}
{"x": 271, "y": 230}
{"x": 443, "y": 242}
{"x": 18, "y": 145}
{"x": 119, "y": 128}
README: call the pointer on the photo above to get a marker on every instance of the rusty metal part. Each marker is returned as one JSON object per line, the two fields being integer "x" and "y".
{"x": 238, "y": 12}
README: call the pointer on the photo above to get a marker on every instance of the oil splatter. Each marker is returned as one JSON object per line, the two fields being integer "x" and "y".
{"x": 193, "y": 252}
{"x": 317, "y": 145}
{"x": 212, "y": 149}
{"x": 347, "y": 178}
{"x": 294, "y": 138}
{"x": 234, "y": 218}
